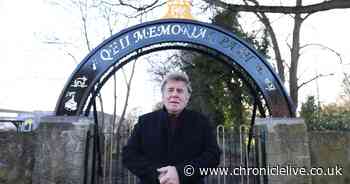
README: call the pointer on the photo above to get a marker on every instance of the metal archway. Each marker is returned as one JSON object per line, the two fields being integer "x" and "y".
{"x": 165, "y": 34}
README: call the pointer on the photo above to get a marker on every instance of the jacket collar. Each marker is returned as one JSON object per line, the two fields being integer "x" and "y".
{"x": 165, "y": 113}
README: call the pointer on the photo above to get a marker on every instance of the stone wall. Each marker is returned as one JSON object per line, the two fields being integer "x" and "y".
{"x": 16, "y": 157}
{"x": 289, "y": 143}
{"x": 53, "y": 154}
{"x": 328, "y": 150}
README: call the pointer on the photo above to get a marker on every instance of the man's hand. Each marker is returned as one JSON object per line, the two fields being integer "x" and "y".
{"x": 168, "y": 175}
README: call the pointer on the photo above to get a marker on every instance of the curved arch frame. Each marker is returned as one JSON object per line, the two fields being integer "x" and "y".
{"x": 134, "y": 39}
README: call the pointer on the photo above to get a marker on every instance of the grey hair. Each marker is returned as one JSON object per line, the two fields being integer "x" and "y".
{"x": 177, "y": 76}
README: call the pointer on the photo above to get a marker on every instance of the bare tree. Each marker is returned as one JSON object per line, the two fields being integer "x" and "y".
{"x": 108, "y": 13}
{"x": 299, "y": 13}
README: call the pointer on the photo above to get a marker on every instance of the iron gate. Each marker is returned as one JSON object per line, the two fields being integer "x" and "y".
{"x": 234, "y": 143}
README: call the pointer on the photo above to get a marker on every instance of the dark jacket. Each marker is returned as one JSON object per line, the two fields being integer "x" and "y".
{"x": 152, "y": 145}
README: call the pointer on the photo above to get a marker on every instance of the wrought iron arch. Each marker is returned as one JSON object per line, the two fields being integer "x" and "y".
{"x": 167, "y": 34}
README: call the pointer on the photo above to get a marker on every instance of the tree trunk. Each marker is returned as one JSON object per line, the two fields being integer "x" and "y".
{"x": 294, "y": 56}
{"x": 122, "y": 119}
{"x": 278, "y": 57}
{"x": 275, "y": 47}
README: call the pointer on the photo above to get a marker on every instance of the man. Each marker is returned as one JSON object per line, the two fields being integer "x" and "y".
{"x": 168, "y": 146}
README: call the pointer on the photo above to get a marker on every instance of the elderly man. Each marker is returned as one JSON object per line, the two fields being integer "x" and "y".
{"x": 168, "y": 146}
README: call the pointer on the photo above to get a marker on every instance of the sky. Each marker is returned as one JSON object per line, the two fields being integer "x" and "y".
{"x": 33, "y": 74}
{"x": 328, "y": 29}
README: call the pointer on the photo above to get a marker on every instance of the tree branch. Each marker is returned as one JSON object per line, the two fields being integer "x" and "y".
{"x": 142, "y": 8}
{"x": 308, "y": 9}
{"x": 314, "y": 78}
{"x": 324, "y": 47}
{"x": 64, "y": 44}
{"x": 268, "y": 26}
{"x": 84, "y": 13}
{"x": 146, "y": 11}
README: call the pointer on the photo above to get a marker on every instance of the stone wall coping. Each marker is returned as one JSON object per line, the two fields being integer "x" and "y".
{"x": 271, "y": 122}
{"x": 66, "y": 119}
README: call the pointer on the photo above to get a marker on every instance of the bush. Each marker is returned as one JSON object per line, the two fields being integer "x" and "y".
{"x": 327, "y": 117}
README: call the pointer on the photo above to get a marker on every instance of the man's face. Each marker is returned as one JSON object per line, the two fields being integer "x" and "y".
{"x": 175, "y": 96}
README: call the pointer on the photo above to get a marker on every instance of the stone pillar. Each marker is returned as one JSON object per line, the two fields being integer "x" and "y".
{"x": 60, "y": 150}
{"x": 286, "y": 144}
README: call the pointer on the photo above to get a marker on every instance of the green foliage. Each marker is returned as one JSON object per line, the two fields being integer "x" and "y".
{"x": 219, "y": 91}
{"x": 329, "y": 117}
{"x": 335, "y": 117}
{"x": 310, "y": 111}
